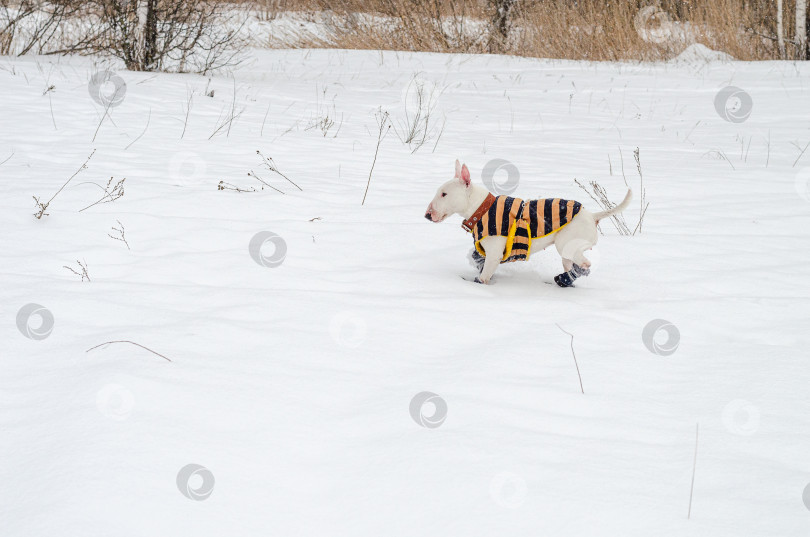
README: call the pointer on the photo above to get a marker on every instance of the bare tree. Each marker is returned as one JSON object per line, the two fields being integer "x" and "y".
{"x": 499, "y": 32}
{"x": 29, "y": 25}
{"x": 163, "y": 35}
{"x": 801, "y": 29}
{"x": 780, "y": 27}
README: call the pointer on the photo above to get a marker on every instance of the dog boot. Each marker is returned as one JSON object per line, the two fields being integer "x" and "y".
{"x": 566, "y": 279}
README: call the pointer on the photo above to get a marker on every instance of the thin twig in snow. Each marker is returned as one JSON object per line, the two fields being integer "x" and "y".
{"x": 111, "y": 193}
{"x": 148, "y": 119}
{"x": 83, "y": 274}
{"x": 575, "y": 358}
{"x": 132, "y": 343}
{"x": 261, "y": 133}
{"x": 694, "y": 466}
{"x": 253, "y": 174}
{"x": 44, "y": 206}
{"x": 106, "y": 111}
{"x": 121, "y": 236}
{"x": 800, "y": 155}
{"x": 189, "y": 104}
{"x": 382, "y": 121}
{"x": 271, "y": 165}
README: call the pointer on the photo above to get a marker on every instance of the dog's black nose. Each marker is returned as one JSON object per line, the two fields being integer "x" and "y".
{"x": 427, "y": 215}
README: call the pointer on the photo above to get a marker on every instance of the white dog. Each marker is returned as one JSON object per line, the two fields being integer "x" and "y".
{"x": 509, "y": 229}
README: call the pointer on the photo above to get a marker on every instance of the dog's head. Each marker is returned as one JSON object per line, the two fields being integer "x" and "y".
{"x": 452, "y": 197}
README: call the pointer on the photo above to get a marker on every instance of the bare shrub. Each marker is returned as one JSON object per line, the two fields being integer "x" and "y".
{"x": 582, "y": 30}
{"x": 419, "y": 125}
{"x": 31, "y": 25}
{"x": 162, "y": 35}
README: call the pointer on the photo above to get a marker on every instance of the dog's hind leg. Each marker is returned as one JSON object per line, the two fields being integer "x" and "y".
{"x": 581, "y": 260}
{"x": 568, "y": 264}
{"x": 575, "y": 263}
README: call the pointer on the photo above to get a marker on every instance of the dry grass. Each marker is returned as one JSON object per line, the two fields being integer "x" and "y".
{"x": 585, "y": 30}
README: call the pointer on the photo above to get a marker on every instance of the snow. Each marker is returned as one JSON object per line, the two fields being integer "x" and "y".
{"x": 291, "y": 386}
{"x": 696, "y": 53}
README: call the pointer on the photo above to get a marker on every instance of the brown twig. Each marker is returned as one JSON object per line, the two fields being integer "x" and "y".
{"x": 575, "y": 358}
{"x": 132, "y": 343}
{"x": 121, "y": 232}
{"x": 228, "y": 186}
{"x": 44, "y": 206}
{"x": 110, "y": 193}
{"x": 83, "y": 274}
{"x": 382, "y": 121}
{"x": 694, "y": 466}
{"x": 271, "y": 165}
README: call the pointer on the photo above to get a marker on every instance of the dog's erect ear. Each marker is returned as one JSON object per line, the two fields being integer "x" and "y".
{"x": 458, "y": 170}
{"x": 465, "y": 175}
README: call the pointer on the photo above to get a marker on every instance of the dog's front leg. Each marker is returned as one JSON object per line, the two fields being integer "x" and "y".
{"x": 493, "y": 247}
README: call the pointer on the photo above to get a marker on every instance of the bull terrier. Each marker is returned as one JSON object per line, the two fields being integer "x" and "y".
{"x": 507, "y": 229}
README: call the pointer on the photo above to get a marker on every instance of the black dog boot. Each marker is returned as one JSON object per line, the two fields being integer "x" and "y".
{"x": 566, "y": 279}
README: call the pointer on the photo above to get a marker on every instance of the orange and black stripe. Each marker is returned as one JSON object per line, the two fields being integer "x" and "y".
{"x": 521, "y": 222}
{"x": 548, "y": 215}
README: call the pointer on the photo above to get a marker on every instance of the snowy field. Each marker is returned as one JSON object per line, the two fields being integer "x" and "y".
{"x": 293, "y": 386}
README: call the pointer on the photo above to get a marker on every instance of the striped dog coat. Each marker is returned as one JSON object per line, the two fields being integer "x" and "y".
{"x": 521, "y": 221}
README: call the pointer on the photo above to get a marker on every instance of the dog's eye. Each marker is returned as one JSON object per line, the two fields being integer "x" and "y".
{"x": 444, "y": 194}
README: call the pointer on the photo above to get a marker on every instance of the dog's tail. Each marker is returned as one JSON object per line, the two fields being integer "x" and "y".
{"x": 617, "y": 209}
